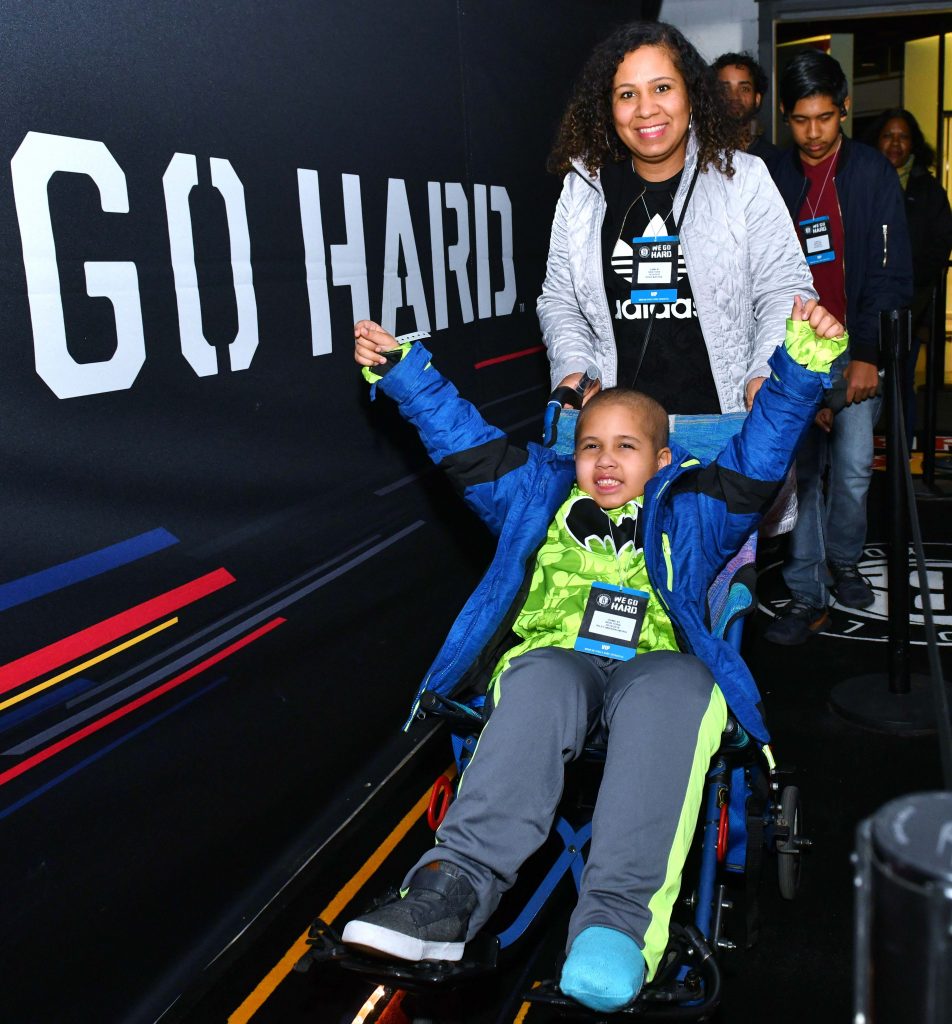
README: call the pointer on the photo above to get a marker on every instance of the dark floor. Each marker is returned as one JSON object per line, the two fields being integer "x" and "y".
{"x": 801, "y": 965}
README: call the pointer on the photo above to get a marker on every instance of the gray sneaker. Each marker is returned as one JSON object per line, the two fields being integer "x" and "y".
{"x": 428, "y": 923}
{"x": 850, "y": 586}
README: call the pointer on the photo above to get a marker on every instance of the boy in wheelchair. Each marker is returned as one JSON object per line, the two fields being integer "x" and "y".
{"x": 599, "y": 559}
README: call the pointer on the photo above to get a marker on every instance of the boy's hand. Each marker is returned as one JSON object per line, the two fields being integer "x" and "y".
{"x": 370, "y": 341}
{"x": 824, "y": 324}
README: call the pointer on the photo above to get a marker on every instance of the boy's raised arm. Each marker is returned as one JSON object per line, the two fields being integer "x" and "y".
{"x": 747, "y": 474}
{"x": 476, "y": 456}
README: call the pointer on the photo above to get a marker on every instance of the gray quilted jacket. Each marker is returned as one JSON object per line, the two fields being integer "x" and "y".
{"x": 743, "y": 259}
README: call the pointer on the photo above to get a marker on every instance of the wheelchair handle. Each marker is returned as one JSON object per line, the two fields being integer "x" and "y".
{"x": 562, "y": 396}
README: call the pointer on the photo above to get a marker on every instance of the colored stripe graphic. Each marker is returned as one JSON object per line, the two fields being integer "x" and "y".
{"x": 273, "y": 608}
{"x": 86, "y": 664}
{"x": 511, "y": 355}
{"x": 103, "y": 751}
{"x": 231, "y": 617}
{"x": 49, "y": 700}
{"x": 14, "y": 673}
{"x": 56, "y": 577}
{"x": 126, "y": 709}
{"x": 283, "y": 967}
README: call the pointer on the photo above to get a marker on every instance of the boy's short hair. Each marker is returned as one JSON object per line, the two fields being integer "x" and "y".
{"x": 812, "y": 73}
{"x": 648, "y": 411}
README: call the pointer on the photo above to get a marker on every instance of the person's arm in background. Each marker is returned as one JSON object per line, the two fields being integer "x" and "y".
{"x": 778, "y": 271}
{"x": 886, "y": 280}
{"x": 565, "y": 331}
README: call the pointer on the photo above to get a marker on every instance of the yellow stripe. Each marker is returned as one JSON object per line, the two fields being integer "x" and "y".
{"x": 86, "y": 664}
{"x": 524, "y": 1009}
{"x": 662, "y": 902}
{"x": 283, "y": 967}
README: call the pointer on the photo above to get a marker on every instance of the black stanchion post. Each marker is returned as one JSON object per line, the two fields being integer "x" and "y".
{"x": 903, "y": 914}
{"x": 930, "y": 406}
{"x": 935, "y": 465}
{"x": 894, "y": 331}
{"x": 897, "y": 702}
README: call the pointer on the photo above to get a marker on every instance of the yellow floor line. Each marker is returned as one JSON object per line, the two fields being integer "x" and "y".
{"x": 86, "y": 664}
{"x": 525, "y": 1008}
{"x": 283, "y": 967}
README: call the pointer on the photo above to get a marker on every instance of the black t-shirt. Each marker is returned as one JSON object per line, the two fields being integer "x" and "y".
{"x": 676, "y": 369}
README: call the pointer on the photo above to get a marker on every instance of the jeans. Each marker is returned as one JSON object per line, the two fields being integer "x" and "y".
{"x": 831, "y": 527}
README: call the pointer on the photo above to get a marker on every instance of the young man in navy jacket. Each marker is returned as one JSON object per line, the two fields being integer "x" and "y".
{"x": 845, "y": 200}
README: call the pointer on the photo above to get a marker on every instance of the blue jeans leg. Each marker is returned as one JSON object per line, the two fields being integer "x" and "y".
{"x": 804, "y": 571}
{"x": 831, "y": 527}
{"x": 851, "y": 470}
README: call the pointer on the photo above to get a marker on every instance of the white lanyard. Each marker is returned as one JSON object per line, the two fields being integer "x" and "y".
{"x": 826, "y": 180}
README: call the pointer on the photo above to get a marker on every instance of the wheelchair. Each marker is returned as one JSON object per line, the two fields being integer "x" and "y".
{"x": 746, "y": 811}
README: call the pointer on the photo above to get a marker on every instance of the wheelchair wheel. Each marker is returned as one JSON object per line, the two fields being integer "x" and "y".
{"x": 788, "y": 853}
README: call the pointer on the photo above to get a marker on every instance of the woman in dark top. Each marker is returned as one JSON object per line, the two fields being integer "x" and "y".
{"x": 673, "y": 263}
{"x": 897, "y": 135}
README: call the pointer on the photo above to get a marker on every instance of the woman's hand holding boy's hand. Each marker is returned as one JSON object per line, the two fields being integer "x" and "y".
{"x": 824, "y": 324}
{"x": 815, "y": 338}
{"x": 370, "y": 341}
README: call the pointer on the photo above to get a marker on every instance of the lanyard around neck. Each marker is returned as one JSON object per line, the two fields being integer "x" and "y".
{"x": 654, "y": 308}
{"x": 829, "y": 171}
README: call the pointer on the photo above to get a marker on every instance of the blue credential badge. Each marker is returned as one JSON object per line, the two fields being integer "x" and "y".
{"x": 611, "y": 622}
{"x": 817, "y": 240}
{"x": 654, "y": 269}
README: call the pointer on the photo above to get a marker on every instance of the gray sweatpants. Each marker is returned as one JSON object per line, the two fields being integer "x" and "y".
{"x": 663, "y": 714}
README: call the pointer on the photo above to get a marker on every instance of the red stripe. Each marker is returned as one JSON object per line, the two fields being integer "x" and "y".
{"x": 77, "y": 644}
{"x": 512, "y": 355}
{"x": 87, "y": 730}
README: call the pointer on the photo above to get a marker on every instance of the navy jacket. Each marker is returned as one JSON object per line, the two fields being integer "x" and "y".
{"x": 877, "y": 264}
{"x": 696, "y": 517}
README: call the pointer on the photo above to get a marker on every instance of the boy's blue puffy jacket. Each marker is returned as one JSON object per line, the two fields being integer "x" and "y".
{"x": 696, "y": 517}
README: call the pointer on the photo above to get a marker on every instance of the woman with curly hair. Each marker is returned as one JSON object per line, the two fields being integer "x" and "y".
{"x": 673, "y": 263}
{"x": 897, "y": 135}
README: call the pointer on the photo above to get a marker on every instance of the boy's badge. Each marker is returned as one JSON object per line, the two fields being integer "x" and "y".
{"x": 817, "y": 241}
{"x": 612, "y": 621}
{"x": 654, "y": 276}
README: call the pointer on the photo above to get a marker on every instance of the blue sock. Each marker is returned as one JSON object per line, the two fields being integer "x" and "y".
{"x": 604, "y": 970}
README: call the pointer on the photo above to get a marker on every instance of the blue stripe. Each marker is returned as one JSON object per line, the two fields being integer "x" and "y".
{"x": 46, "y": 581}
{"x": 30, "y": 797}
{"x": 35, "y": 706}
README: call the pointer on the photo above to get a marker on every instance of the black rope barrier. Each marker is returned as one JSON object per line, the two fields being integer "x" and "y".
{"x": 899, "y": 702}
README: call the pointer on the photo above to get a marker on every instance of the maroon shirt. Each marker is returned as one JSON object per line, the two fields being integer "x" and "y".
{"x": 821, "y": 201}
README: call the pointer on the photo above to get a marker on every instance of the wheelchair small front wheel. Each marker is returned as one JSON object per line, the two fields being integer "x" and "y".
{"x": 788, "y": 851}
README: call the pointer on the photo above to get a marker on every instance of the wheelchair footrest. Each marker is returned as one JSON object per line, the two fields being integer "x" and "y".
{"x": 687, "y": 987}
{"x": 479, "y": 958}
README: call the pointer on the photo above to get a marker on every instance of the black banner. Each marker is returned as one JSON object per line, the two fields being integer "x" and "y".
{"x": 223, "y": 570}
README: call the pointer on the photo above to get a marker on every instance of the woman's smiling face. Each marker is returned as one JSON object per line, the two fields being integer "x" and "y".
{"x": 652, "y": 111}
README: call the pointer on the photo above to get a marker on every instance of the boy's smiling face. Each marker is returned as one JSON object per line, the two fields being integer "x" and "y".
{"x": 615, "y": 455}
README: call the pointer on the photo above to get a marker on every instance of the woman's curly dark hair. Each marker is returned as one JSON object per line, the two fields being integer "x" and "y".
{"x": 924, "y": 154}
{"x": 587, "y": 132}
